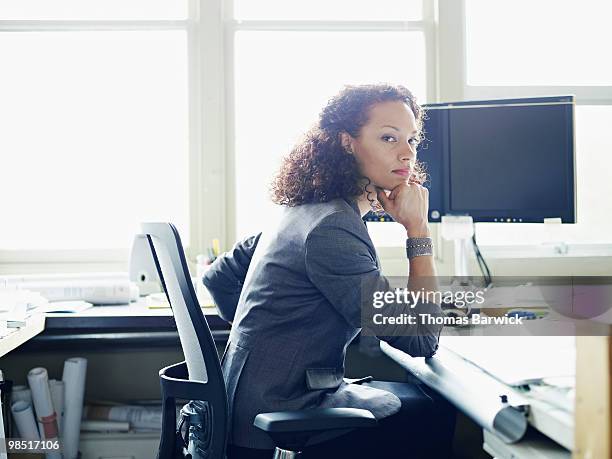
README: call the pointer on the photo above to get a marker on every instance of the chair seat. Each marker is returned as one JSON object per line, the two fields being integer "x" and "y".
{"x": 314, "y": 420}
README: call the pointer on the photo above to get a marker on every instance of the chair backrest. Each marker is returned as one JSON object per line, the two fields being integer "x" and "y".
{"x": 201, "y": 358}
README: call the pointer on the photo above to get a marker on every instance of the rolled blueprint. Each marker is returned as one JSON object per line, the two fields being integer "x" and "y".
{"x": 24, "y": 420}
{"x": 25, "y": 394}
{"x": 74, "y": 385}
{"x": 491, "y": 404}
{"x": 38, "y": 380}
{"x": 21, "y": 393}
{"x": 41, "y": 396}
{"x": 105, "y": 426}
{"x": 139, "y": 417}
{"x": 57, "y": 397}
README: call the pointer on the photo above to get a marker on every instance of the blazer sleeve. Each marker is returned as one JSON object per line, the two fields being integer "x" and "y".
{"x": 225, "y": 278}
{"x": 341, "y": 264}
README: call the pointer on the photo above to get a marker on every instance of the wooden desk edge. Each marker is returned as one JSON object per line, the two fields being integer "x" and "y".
{"x": 35, "y": 324}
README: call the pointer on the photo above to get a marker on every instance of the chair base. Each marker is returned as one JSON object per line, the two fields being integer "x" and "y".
{"x": 280, "y": 453}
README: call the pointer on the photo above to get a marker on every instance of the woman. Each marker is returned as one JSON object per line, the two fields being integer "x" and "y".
{"x": 295, "y": 294}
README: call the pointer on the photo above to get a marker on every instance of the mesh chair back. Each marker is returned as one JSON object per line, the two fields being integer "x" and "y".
{"x": 203, "y": 367}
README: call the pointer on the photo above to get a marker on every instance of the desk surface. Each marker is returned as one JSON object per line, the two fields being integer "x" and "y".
{"x": 123, "y": 317}
{"x": 34, "y": 325}
{"x": 120, "y": 326}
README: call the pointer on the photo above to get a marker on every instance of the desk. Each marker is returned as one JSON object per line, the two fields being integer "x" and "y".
{"x": 34, "y": 325}
{"x": 129, "y": 316}
{"x": 449, "y": 370}
{"x": 133, "y": 324}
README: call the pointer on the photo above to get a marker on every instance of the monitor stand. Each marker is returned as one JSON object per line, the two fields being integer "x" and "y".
{"x": 460, "y": 230}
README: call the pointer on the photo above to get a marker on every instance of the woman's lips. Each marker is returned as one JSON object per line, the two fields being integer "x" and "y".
{"x": 403, "y": 172}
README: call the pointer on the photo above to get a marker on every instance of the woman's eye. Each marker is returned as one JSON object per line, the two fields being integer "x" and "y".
{"x": 389, "y": 138}
{"x": 414, "y": 141}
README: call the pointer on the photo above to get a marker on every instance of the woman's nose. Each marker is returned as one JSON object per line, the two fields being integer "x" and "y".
{"x": 408, "y": 153}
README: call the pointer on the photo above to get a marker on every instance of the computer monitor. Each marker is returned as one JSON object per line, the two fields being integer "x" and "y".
{"x": 509, "y": 160}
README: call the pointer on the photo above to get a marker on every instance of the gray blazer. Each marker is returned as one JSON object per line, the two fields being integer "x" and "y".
{"x": 294, "y": 295}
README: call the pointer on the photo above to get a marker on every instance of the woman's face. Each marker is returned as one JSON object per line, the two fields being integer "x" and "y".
{"x": 385, "y": 148}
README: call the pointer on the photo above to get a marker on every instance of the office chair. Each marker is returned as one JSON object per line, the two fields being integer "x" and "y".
{"x": 200, "y": 379}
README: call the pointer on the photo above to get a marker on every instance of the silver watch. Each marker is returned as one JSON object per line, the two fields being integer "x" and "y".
{"x": 418, "y": 247}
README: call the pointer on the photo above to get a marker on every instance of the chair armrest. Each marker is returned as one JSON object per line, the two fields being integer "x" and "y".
{"x": 314, "y": 420}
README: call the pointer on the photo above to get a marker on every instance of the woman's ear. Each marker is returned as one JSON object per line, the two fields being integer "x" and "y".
{"x": 345, "y": 139}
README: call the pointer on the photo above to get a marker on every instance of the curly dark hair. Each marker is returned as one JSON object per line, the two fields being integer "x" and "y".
{"x": 319, "y": 169}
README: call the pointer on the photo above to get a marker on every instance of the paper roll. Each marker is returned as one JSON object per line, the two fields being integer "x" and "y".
{"x": 38, "y": 379}
{"x": 21, "y": 393}
{"x": 139, "y": 417}
{"x": 105, "y": 426}
{"x": 41, "y": 396}
{"x": 24, "y": 420}
{"x": 74, "y": 385}
{"x": 57, "y": 397}
{"x": 25, "y": 394}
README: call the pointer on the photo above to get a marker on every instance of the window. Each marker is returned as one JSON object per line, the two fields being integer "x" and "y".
{"x": 340, "y": 10}
{"x": 93, "y": 9}
{"x": 520, "y": 48}
{"x": 285, "y": 73}
{"x": 543, "y": 43}
{"x": 94, "y": 122}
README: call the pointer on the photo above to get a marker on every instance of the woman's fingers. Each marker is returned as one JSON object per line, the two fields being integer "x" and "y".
{"x": 397, "y": 190}
{"x": 409, "y": 205}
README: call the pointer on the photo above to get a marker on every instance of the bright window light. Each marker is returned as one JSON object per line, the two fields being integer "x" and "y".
{"x": 283, "y": 80}
{"x": 538, "y": 43}
{"x": 343, "y": 10}
{"x": 93, "y": 137}
{"x": 92, "y": 9}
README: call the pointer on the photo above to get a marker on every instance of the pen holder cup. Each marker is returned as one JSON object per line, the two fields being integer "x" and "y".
{"x": 202, "y": 293}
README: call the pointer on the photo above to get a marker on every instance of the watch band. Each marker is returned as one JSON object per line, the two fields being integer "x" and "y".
{"x": 419, "y": 247}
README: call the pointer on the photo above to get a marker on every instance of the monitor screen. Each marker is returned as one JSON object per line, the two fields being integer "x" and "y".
{"x": 511, "y": 161}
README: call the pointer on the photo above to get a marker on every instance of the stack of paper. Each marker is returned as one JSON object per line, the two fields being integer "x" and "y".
{"x": 517, "y": 360}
